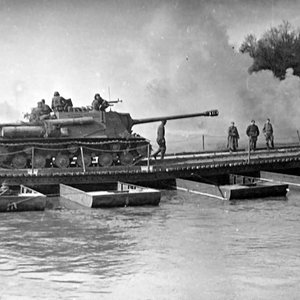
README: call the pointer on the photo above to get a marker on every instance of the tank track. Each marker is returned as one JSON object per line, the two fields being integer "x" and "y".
{"x": 38, "y": 154}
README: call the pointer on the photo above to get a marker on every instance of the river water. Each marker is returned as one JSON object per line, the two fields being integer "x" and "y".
{"x": 189, "y": 247}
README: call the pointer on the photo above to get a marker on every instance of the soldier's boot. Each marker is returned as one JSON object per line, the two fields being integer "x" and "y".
{"x": 268, "y": 147}
{"x": 154, "y": 155}
{"x": 163, "y": 154}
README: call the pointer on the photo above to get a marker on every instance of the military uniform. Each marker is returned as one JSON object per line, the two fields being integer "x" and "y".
{"x": 99, "y": 103}
{"x": 233, "y": 137}
{"x": 46, "y": 110}
{"x": 36, "y": 113}
{"x": 161, "y": 140}
{"x": 58, "y": 102}
{"x": 252, "y": 132}
{"x": 268, "y": 132}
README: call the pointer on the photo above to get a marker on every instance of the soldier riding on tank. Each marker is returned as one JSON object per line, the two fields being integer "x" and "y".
{"x": 60, "y": 104}
{"x": 99, "y": 103}
{"x": 45, "y": 111}
{"x": 57, "y": 102}
{"x": 36, "y": 112}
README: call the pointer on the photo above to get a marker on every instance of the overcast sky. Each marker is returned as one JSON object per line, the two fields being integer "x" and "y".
{"x": 165, "y": 56}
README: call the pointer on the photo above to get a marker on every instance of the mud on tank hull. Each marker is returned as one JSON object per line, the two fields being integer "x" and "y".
{"x": 42, "y": 153}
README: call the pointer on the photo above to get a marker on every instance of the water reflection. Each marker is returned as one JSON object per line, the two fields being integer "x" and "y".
{"x": 189, "y": 247}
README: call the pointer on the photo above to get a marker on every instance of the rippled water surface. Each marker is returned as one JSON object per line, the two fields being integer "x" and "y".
{"x": 189, "y": 247}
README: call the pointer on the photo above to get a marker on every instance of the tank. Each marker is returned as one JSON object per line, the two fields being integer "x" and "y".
{"x": 81, "y": 137}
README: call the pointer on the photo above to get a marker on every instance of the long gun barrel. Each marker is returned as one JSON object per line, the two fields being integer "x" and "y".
{"x": 209, "y": 113}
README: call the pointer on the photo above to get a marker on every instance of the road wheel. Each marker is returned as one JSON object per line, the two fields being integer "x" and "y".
{"x": 39, "y": 161}
{"x": 19, "y": 161}
{"x": 86, "y": 158}
{"x": 105, "y": 159}
{"x": 126, "y": 158}
{"x": 62, "y": 160}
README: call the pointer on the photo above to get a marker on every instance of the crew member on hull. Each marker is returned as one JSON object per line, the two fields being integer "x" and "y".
{"x": 45, "y": 111}
{"x": 58, "y": 102}
{"x": 99, "y": 103}
{"x": 36, "y": 113}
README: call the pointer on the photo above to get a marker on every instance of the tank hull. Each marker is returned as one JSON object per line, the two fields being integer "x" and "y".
{"x": 67, "y": 152}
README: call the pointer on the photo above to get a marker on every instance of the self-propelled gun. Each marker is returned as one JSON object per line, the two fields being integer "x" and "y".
{"x": 82, "y": 137}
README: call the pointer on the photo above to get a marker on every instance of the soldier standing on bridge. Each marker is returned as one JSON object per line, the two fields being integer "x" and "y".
{"x": 268, "y": 132}
{"x": 161, "y": 140}
{"x": 252, "y": 132}
{"x": 233, "y": 138}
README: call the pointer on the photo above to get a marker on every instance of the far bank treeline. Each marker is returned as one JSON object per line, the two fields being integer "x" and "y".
{"x": 277, "y": 50}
